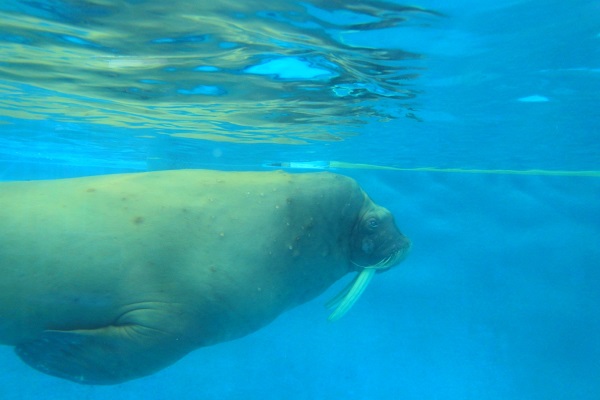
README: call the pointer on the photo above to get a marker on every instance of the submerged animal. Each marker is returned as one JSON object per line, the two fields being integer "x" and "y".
{"x": 110, "y": 278}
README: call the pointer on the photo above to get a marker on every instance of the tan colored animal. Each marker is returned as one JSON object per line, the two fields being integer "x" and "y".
{"x": 109, "y": 278}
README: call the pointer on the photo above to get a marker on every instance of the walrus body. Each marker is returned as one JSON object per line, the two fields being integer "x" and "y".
{"x": 109, "y": 278}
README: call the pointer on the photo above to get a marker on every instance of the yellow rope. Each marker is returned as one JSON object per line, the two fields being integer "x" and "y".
{"x": 595, "y": 174}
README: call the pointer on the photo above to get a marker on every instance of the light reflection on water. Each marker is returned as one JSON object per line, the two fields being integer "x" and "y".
{"x": 255, "y": 71}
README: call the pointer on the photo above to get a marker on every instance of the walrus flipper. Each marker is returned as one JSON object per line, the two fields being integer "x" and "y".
{"x": 101, "y": 356}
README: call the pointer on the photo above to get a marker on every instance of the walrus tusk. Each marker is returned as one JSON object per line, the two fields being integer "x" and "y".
{"x": 351, "y": 293}
{"x": 345, "y": 299}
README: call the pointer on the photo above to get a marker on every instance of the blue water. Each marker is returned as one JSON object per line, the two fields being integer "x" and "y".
{"x": 475, "y": 123}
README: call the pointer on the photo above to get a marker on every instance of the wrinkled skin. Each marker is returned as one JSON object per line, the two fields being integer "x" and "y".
{"x": 376, "y": 238}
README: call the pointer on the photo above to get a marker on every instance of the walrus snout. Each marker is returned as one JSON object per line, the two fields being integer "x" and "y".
{"x": 396, "y": 246}
{"x": 401, "y": 247}
{"x": 398, "y": 250}
{"x": 392, "y": 252}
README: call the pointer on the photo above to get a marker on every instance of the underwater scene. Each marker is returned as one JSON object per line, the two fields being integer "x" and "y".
{"x": 316, "y": 199}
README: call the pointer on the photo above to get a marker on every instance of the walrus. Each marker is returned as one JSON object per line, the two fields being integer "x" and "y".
{"x": 110, "y": 278}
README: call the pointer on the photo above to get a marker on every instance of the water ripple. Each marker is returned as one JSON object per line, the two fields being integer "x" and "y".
{"x": 210, "y": 70}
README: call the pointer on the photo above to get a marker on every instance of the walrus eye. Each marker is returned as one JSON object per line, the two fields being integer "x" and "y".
{"x": 372, "y": 223}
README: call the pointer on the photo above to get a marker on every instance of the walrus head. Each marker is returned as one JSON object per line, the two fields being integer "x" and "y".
{"x": 376, "y": 242}
{"x": 376, "y": 245}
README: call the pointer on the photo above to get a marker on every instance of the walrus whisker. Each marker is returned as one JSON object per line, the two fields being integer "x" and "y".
{"x": 358, "y": 286}
{"x": 383, "y": 264}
